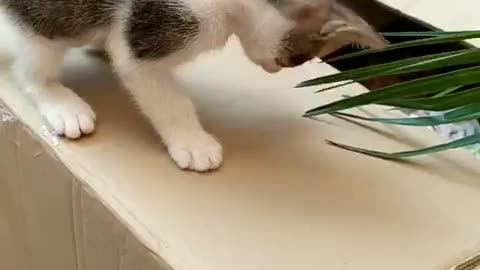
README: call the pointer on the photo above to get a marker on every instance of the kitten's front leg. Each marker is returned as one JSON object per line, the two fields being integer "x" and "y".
{"x": 173, "y": 116}
{"x": 36, "y": 68}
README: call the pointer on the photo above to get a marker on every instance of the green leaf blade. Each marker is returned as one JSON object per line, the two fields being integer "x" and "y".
{"x": 425, "y": 33}
{"x": 445, "y": 38}
{"x": 415, "y": 64}
{"x": 470, "y": 140}
{"x": 407, "y": 89}
{"x": 442, "y": 103}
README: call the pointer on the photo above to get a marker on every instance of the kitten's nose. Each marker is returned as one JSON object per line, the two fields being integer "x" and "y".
{"x": 293, "y": 61}
{"x": 298, "y": 60}
{"x": 271, "y": 67}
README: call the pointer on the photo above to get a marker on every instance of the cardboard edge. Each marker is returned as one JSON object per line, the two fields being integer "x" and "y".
{"x": 134, "y": 249}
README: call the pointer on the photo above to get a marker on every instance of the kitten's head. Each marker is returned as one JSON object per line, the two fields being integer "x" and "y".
{"x": 288, "y": 33}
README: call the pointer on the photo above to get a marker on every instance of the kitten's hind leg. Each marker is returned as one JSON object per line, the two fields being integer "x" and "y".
{"x": 37, "y": 69}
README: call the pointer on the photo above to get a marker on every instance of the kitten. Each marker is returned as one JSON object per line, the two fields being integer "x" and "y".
{"x": 146, "y": 41}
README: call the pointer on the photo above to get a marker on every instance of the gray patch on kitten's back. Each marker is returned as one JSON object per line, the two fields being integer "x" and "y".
{"x": 62, "y": 18}
{"x": 157, "y": 28}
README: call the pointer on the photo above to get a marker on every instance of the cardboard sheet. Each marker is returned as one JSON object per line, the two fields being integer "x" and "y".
{"x": 283, "y": 200}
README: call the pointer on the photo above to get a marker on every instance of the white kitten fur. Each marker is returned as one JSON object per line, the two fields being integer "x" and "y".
{"x": 151, "y": 83}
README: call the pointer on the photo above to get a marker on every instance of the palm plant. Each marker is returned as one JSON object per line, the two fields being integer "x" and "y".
{"x": 456, "y": 91}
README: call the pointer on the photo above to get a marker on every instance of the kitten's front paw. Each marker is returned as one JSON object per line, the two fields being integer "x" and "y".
{"x": 67, "y": 114}
{"x": 196, "y": 151}
{"x": 331, "y": 29}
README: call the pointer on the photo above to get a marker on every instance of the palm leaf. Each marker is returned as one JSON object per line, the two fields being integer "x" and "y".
{"x": 445, "y": 38}
{"x": 425, "y": 33}
{"x": 428, "y": 85}
{"x": 438, "y": 103}
{"x": 415, "y": 64}
{"x": 447, "y": 91}
{"x": 457, "y": 92}
{"x": 470, "y": 140}
{"x": 335, "y": 86}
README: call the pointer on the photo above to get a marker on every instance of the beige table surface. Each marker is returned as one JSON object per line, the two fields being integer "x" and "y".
{"x": 284, "y": 199}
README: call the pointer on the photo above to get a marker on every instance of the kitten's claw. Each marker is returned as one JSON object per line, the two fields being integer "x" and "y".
{"x": 196, "y": 151}
{"x": 67, "y": 114}
{"x": 331, "y": 28}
